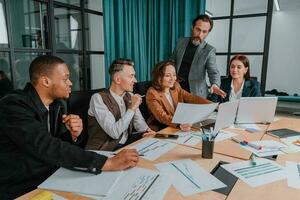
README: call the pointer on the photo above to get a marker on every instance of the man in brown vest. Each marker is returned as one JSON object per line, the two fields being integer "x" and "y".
{"x": 114, "y": 112}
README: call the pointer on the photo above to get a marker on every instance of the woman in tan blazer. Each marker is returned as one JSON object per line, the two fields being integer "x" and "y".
{"x": 162, "y": 98}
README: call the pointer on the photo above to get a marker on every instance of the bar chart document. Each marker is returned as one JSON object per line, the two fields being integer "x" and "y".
{"x": 135, "y": 183}
{"x": 265, "y": 171}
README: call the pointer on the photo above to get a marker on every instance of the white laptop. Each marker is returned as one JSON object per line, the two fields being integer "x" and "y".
{"x": 253, "y": 110}
{"x": 225, "y": 116}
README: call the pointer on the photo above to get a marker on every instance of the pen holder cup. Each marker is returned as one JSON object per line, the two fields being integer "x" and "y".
{"x": 207, "y": 148}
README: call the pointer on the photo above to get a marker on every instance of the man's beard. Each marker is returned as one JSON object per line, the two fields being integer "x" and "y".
{"x": 196, "y": 42}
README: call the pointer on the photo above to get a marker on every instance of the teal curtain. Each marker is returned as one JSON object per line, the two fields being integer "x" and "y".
{"x": 146, "y": 31}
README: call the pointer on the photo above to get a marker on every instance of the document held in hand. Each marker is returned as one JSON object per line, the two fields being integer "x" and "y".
{"x": 187, "y": 113}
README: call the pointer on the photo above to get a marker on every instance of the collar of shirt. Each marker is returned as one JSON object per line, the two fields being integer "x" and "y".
{"x": 237, "y": 94}
{"x": 118, "y": 98}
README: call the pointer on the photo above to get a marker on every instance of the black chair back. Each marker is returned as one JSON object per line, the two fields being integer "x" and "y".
{"x": 141, "y": 88}
{"x": 78, "y": 103}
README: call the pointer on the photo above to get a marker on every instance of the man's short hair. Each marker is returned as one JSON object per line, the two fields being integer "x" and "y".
{"x": 43, "y": 65}
{"x": 118, "y": 65}
{"x": 204, "y": 18}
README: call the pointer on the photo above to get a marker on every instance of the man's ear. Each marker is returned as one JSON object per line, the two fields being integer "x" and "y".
{"x": 117, "y": 78}
{"x": 45, "y": 81}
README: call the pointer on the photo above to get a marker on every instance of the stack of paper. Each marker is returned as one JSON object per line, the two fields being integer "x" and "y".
{"x": 81, "y": 182}
{"x": 126, "y": 184}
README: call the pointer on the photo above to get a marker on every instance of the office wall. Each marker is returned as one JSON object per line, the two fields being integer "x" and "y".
{"x": 284, "y": 55}
{"x": 96, "y": 35}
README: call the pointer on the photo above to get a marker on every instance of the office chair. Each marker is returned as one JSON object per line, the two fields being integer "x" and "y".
{"x": 78, "y": 104}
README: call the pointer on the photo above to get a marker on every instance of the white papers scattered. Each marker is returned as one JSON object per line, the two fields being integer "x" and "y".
{"x": 248, "y": 127}
{"x": 265, "y": 171}
{"x": 292, "y": 170}
{"x": 192, "y": 113}
{"x": 293, "y": 144}
{"x": 269, "y": 148}
{"x": 153, "y": 148}
{"x": 187, "y": 138}
{"x": 188, "y": 177}
{"x": 224, "y": 135}
{"x": 158, "y": 190}
{"x": 134, "y": 184}
{"x": 129, "y": 184}
{"x": 81, "y": 182}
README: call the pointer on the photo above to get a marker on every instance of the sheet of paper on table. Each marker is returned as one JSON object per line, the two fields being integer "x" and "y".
{"x": 265, "y": 171}
{"x": 153, "y": 148}
{"x": 188, "y": 177}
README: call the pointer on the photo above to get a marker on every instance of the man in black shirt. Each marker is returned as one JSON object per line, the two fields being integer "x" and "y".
{"x": 194, "y": 57}
{"x": 36, "y": 137}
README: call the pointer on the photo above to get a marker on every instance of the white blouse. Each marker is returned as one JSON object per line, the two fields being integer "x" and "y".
{"x": 236, "y": 95}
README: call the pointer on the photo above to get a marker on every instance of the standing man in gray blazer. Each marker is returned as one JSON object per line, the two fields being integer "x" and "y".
{"x": 194, "y": 57}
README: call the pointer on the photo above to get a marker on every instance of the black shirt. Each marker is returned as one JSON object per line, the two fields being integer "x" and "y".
{"x": 185, "y": 66}
{"x": 29, "y": 153}
{"x": 5, "y": 87}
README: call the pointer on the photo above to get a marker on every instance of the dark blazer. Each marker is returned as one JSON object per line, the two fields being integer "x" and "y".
{"x": 161, "y": 110}
{"x": 29, "y": 153}
{"x": 251, "y": 89}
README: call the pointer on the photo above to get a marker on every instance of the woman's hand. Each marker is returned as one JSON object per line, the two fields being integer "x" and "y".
{"x": 185, "y": 127}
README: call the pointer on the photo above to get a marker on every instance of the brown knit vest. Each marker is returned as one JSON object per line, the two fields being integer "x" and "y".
{"x": 98, "y": 138}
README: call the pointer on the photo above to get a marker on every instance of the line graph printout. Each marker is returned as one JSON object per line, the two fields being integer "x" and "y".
{"x": 265, "y": 171}
{"x": 188, "y": 177}
{"x": 153, "y": 148}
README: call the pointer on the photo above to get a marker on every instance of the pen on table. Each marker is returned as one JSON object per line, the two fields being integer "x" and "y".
{"x": 255, "y": 146}
{"x": 238, "y": 141}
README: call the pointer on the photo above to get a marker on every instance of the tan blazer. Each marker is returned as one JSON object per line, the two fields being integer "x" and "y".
{"x": 161, "y": 111}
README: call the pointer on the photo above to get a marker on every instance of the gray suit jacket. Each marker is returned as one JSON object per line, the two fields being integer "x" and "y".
{"x": 204, "y": 60}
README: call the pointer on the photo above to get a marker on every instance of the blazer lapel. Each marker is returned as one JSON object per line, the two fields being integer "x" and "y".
{"x": 174, "y": 96}
{"x": 246, "y": 89}
{"x": 181, "y": 51}
{"x": 198, "y": 55}
{"x": 166, "y": 103}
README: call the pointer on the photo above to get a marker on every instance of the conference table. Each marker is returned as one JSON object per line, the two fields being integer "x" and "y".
{"x": 228, "y": 151}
